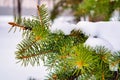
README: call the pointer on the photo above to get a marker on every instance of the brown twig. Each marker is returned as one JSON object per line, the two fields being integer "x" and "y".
{"x": 17, "y": 25}
{"x": 13, "y": 24}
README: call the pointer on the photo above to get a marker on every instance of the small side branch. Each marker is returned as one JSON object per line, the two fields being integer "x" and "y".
{"x": 13, "y": 24}
{"x": 40, "y": 17}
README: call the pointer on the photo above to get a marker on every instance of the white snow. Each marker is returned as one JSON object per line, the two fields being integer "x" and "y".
{"x": 108, "y": 32}
{"x": 89, "y": 28}
{"x": 63, "y": 24}
{"x": 96, "y": 42}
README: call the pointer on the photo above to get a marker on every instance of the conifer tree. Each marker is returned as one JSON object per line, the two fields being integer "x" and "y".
{"x": 65, "y": 56}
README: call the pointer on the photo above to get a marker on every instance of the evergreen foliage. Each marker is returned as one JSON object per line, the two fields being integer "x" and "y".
{"x": 66, "y": 56}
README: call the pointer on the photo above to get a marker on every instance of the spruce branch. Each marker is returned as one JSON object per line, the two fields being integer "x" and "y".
{"x": 34, "y": 32}
{"x": 43, "y": 16}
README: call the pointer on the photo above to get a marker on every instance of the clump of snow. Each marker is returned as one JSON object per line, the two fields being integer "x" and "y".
{"x": 109, "y": 31}
{"x": 96, "y": 42}
{"x": 64, "y": 24}
{"x": 89, "y": 28}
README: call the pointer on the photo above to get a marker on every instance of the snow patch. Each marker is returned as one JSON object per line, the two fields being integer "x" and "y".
{"x": 89, "y": 28}
{"x": 108, "y": 31}
{"x": 96, "y": 42}
{"x": 64, "y": 24}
